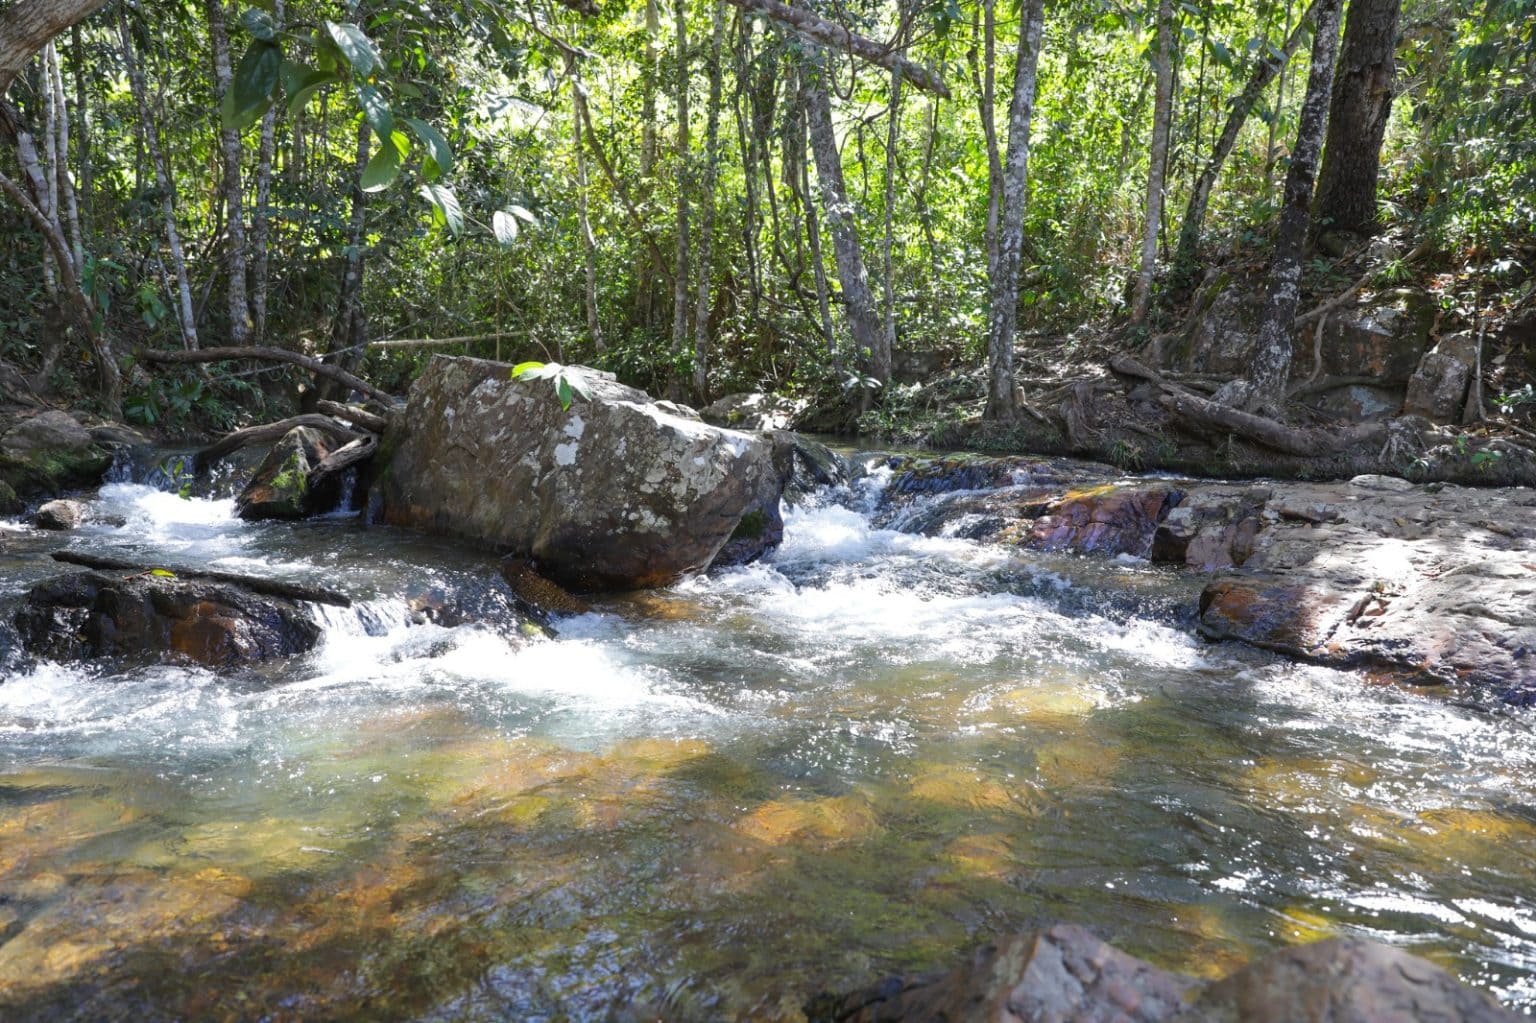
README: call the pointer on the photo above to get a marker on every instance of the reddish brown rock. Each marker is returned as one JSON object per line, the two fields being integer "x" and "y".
{"x": 148, "y": 617}
{"x": 1111, "y": 519}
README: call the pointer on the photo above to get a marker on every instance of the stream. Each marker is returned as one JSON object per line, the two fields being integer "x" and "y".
{"x": 857, "y": 757}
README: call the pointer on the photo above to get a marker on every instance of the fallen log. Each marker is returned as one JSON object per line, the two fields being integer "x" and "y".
{"x": 344, "y": 458}
{"x": 260, "y": 352}
{"x": 266, "y": 434}
{"x": 266, "y": 587}
{"x": 354, "y": 414}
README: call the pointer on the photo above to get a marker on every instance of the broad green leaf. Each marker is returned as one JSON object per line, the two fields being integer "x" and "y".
{"x": 356, "y": 47}
{"x": 523, "y": 368}
{"x": 162, "y": 573}
{"x": 439, "y": 153}
{"x": 250, "y": 93}
{"x": 504, "y": 226}
{"x": 306, "y": 86}
{"x": 563, "y": 390}
{"x": 402, "y": 143}
{"x": 447, "y": 206}
{"x": 578, "y": 383}
{"x": 259, "y": 24}
{"x": 520, "y": 212}
{"x": 382, "y": 168}
{"x": 376, "y": 112}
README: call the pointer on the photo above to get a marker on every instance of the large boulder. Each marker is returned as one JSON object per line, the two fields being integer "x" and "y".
{"x": 1066, "y": 975}
{"x": 284, "y": 485}
{"x": 612, "y": 493}
{"x": 45, "y": 455}
{"x": 147, "y": 616}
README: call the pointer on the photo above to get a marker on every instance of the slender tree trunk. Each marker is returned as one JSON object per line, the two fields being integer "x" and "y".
{"x": 647, "y": 267}
{"x": 1162, "y": 116}
{"x": 83, "y": 123}
{"x": 1272, "y": 359}
{"x": 680, "y": 268}
{"x": 888, "y": 241}
{"x": 584, "y": 220}
{"x": 261, "y": 216}
{"x": 1271, "y": 150}
{"x": 1002, "y": 317}
{"x": 71, "y": 204}
{"x": 349, "y": 331}
{"x": 813, "y": 223}
{"x": 149, "y": 131}
{"x": 1200, "y": 196}
{"x": 750, "y": 221}
{"x": 701, "y": 336}
{"x": 1357, "y": 120}
{"x": 232, "y": 191}
{"x": 869, "y": 340}
{"x": 986, "y": 90}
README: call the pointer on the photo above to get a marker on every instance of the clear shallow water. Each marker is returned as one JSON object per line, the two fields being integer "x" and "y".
{"x": 716, "y": 800}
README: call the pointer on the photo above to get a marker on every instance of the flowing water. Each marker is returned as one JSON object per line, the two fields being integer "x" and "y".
{"x": 713, "y": 801}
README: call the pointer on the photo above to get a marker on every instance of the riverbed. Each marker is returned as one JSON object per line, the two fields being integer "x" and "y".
{"x": 856, "y": 757}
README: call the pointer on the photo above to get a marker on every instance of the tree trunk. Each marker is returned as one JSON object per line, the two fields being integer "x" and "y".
{"x": 701, "y": 337}
{"x": 1162, "y": 116}
{"x": 1002, "y": 401}
{"x": 802, "y": 189}
{"x": 233, "y": 195}
{"x": 261, "y": 216}
{"x": 1272, "y": 359}
{"x": 349, "y": 331}
{"x": 71, "y": 205}
{"x": 25, "y": 25}
{"x": 1200, "y": 196}
{"x": 869, "y": 340}
{"x": 149, "y": 131}
{"x": 888, "y": 241}
{"x": 680, "y": 266}
{"x": 1357, "y": 120}
{"x": 584, "y": 218}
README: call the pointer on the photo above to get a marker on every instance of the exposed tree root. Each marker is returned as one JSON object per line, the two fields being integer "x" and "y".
{"x": 266, "y": 434}
{"x": 354, "y": 414}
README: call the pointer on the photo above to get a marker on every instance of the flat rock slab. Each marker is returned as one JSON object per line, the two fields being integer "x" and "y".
{"x": 613, "y": 493}
{"x": 1433, "y": 583}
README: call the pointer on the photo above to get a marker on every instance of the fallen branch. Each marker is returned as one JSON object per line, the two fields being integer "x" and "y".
{"x": 267, "y": 587}
{"x": 353, "y": 414}
{"x": 260, "y": 352}
{"x": 432, "y": 342}
{"x": 343, "y": 458}
{"x": 266, "y": 434}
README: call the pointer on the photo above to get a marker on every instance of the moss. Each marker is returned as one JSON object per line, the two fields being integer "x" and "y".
{"x": 10, "y": 504}
{"x": 50, "y": 471}
{"x": 752, "y": 525}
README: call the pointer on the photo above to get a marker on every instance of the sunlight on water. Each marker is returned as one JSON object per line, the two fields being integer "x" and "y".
{"x": 861, "y": 754}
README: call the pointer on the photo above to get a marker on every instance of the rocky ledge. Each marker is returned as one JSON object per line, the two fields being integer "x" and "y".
{"x": 1430, "y": 583}
{"x": 1066, "y": 975}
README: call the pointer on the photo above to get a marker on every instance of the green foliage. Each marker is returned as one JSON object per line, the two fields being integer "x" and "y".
{"x": 567, "y": 381}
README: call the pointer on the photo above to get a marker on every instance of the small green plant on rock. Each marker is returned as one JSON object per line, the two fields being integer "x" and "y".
{"x": 566, "y": 380}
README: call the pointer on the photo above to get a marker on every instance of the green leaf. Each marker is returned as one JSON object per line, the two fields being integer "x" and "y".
{"x": 376, "y": 112}
{"x": 439, "y": 153}
{"x": 578, "y": 383}
{"x": 305, "y": 86}
{"x": 162, "y": 573}
{"x": 519, "y": 212}
{"x": 356, "y": 47}
{"x": 250, "y": 93}
{"x": 504, "y": 226}
{"x": 382, "y": 168}
{"x": 446, "y": 205}
{"x": 259, "y": 24}
{"x": 523, "y": 368}
{"x": 563, "y": 391}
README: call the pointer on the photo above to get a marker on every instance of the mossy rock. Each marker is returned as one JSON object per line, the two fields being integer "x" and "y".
{"x": 48, "y": 472}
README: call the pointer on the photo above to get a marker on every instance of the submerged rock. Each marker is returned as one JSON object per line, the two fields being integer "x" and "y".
{"x": 1066, "y": 975}
{"x": 148, "y": 616}
{"x": 614, "y": 493}
{"x": 284, "y": 485}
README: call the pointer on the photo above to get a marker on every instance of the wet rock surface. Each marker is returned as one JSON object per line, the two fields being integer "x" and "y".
{"x": 46, "y": 454}
{"x": 1432, "y": 583}
{"x": 1066, "y": 975}
{"x": 60, "y": 515}
{"x": 145, "y": 616}
{"x": 284, "y": 485}
{"x": 613, "y": 493}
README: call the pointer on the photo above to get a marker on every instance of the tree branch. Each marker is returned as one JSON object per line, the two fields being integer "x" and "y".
{"x": 27, "y": 25}
{"x": 315, "y": 366}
